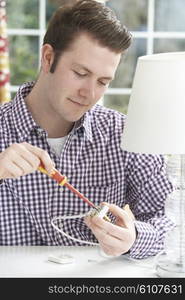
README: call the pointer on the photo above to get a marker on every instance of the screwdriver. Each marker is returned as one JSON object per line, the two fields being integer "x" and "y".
{"x": 62, "y": 181}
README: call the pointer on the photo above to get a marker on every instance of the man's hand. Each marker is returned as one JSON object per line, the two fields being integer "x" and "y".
{"x": 114, "y": 239}
{"x": 21, "y": 159}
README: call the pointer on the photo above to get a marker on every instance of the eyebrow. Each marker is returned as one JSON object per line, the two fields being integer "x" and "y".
{"x": 89, "y": 71}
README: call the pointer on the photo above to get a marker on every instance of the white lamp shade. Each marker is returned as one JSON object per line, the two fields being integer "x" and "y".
{"x": 155, "y": 121}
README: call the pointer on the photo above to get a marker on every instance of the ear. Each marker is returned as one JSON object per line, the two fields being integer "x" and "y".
{"x": 47, "y": 57}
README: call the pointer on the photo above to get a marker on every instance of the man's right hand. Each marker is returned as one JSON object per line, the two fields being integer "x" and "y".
{"x": 21, "y": 159}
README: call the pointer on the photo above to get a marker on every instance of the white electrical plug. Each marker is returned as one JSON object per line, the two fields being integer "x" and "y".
{"x": 62, "y": 259}
{"x": 99, "y": 211}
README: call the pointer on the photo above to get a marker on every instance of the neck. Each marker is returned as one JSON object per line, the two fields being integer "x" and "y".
{"x": 42, "y": 114}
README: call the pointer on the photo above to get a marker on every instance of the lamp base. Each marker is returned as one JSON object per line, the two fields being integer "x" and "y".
{"x": 166, "y": 268}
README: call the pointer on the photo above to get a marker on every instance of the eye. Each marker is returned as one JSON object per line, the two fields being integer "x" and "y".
{"x": 80, "y": 74}
{"x": 104, "y": 83}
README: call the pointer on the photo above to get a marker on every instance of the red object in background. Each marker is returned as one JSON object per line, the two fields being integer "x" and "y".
{"x": 4, "y": 56}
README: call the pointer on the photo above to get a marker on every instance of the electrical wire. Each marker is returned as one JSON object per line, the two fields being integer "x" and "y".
{"x": 67, "y": 235}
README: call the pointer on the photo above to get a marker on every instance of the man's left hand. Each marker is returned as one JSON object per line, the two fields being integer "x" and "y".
{"x": 114, "y": 239}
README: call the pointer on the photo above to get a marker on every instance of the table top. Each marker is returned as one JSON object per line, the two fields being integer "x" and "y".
{"x": 89, "y": 261}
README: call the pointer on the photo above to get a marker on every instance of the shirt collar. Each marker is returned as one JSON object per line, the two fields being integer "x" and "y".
{"x": 22, "y": 118}
{"x": 85, "y": 123}
{"x": 24, "y": 122}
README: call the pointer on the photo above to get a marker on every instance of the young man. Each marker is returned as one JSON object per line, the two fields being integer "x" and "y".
{"x": 56, "y": 120}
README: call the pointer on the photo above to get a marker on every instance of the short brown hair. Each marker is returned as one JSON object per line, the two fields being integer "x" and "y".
{"x": 88, "y": 16}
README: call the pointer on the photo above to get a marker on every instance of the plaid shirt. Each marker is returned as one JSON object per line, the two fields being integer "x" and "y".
{"x": 95, "y": 164}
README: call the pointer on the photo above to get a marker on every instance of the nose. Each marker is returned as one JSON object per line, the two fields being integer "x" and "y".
{"x": 88, "y": 90}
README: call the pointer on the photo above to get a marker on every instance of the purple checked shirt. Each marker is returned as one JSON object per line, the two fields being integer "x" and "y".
{"x": 95, "y": 164}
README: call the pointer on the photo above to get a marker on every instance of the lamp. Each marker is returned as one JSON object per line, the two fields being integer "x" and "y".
{"x": 155, "y": 124}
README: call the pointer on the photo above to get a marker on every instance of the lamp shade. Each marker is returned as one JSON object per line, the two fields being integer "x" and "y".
{"x": 155, "y": 120}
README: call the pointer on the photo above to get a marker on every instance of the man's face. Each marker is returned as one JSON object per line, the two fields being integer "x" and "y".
{"x": 80, "y": 79}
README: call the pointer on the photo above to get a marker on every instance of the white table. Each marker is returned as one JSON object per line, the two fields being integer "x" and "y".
{"x": 32, "y": 261}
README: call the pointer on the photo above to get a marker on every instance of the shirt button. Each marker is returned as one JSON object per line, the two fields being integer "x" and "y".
{"x": 37, "y": 131}
{"x": 40, "y": 132}
{"x": 75, "y": 137}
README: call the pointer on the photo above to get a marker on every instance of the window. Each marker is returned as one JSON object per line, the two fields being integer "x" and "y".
{"x": 156, "y": 26}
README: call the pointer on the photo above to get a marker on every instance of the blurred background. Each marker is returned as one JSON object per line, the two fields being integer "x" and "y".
{"x": 156, "y": 25}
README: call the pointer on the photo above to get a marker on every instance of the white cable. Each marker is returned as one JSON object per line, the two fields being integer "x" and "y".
{"x": 67, "y": 235}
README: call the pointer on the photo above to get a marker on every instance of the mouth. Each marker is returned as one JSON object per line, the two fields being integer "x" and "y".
{"x": 77, "y": 103}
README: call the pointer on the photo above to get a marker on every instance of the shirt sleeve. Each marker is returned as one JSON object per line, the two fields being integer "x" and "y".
{"x": 147, "y": 189}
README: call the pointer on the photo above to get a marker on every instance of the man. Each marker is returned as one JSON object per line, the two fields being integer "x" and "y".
{"x": 56, "y": 121}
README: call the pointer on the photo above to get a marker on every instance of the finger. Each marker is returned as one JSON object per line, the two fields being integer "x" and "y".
{"x": 12, "y": 171}
{"x": 128, "y": 210}
{"x": 114, "y": 230}
{"x": 42, "y": 155}
{"x": 12, "y": 164}
{"x": 110, "y": 244}
{"x": 25, "y": 166}
{"x": 18, "y": 152}
{"x": 100, "y": 234}
{"x": 25, "y": 159}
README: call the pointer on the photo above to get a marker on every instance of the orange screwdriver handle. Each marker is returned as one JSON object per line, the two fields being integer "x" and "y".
{"x": 61, "y": 179}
